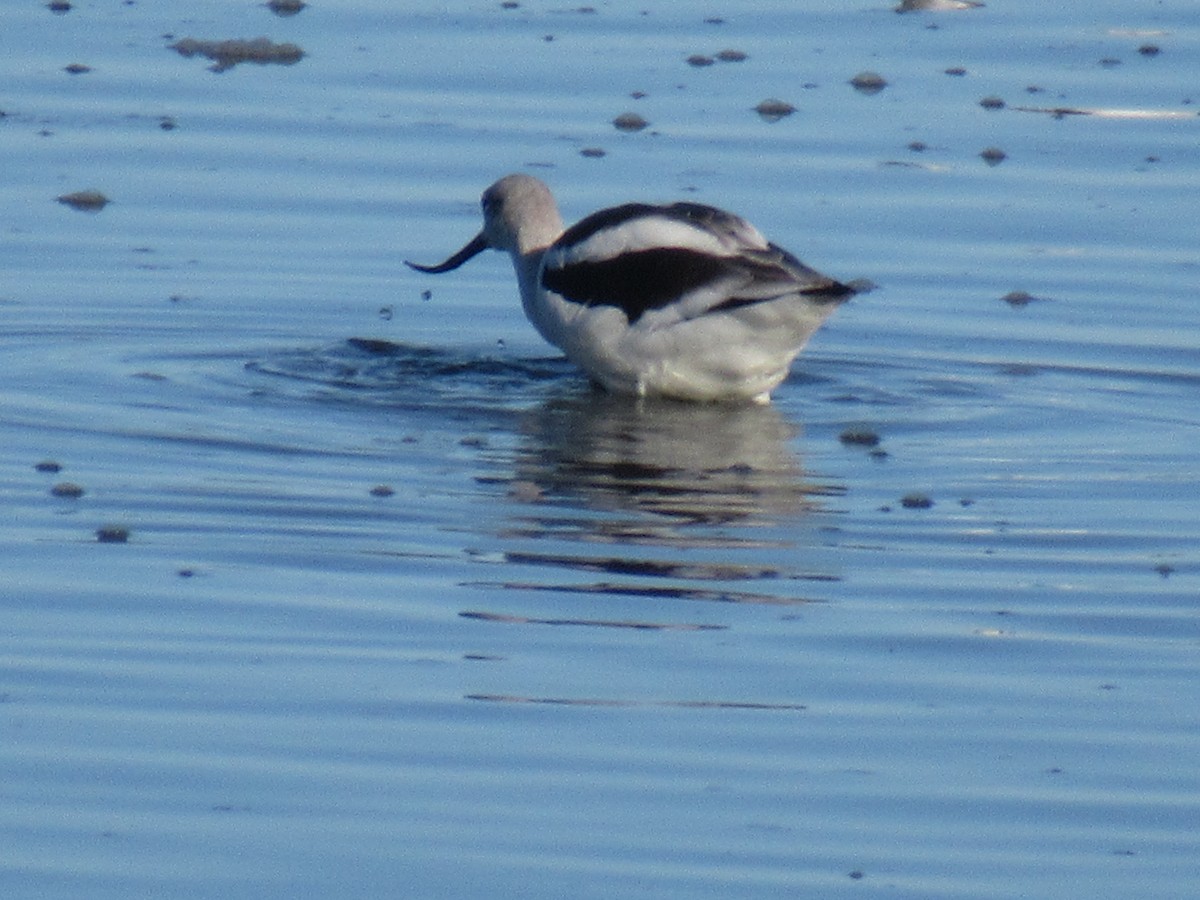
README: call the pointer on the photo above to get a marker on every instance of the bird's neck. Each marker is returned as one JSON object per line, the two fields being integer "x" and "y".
{"x": 529, "y": 268}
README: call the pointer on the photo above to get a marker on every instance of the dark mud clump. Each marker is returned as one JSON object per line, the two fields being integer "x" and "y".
{"x": 112, "y": 534}
{"x": 773, "y": 110}
{"x": 88, "y": 201}
{"x": 629, "y": 121}
{"x": 227, "y": 54}
{"x": 1020, "y": 298}
{"x": 993, "y": 156}
{"x": 286, "y": 7}
{"x": 859, "y": 436}
{"x": 868, "y": 82}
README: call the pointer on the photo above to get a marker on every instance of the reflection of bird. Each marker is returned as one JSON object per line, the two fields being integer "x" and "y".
{"x": 684, "y": 300}
{"x": 714, "y": 464}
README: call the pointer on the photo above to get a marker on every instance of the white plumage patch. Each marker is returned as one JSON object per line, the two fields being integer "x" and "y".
{"x": 656, "y": 230}
{"x": 642, "y": 233}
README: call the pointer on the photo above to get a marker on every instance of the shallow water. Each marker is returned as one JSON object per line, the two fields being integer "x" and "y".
{"x": 403, "y": 607}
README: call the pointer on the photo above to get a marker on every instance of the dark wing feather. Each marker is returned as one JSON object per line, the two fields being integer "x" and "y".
{"x": 775, "y": 272}
{"x": 635, "y": 282}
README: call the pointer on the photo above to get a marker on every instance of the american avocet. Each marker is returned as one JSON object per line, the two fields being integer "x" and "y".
{"x": 683, "y": 301}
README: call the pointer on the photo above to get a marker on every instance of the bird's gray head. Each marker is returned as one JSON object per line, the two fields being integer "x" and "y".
{"x": 519, "y": 216}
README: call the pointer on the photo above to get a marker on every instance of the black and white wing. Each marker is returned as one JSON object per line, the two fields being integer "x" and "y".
{"x": 687, "y": 258}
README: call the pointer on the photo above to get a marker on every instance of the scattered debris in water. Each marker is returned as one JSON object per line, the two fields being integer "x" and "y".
{"x": 285, "y": 7}
{"x": 112, "y": 534}
{"x": 728, "y": 55}
{"x": 1021, "y": 298}
{"x": 88, "y": 201}
{"x": 77, "y": 69}
{"x": 911, "y": 164}
{"x": 992, "y": 103}
{"x": 859, "y": 436}
{"x": 1061, "y": 112}
{"x": 773, "y": 110}
{"x": 227, "y": 54}
{"x": 68, "y": 489}
{"x": 868, "y": 82}
{"x": 993, "y": 156}
{"x": 629, "y": 121}
{"x": 936, "y": 5}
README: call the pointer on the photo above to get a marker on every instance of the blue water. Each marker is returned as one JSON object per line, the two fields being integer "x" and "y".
{"x": 403, "y": 607}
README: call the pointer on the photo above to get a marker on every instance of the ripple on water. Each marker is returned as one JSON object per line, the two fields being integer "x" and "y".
{"x": 420, "y": 377}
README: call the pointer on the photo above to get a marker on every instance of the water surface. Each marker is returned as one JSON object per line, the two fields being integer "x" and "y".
{"x": 389, "y": 601}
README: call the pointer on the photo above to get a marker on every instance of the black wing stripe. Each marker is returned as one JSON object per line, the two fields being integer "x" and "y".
{"x": 636, "y": 282}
